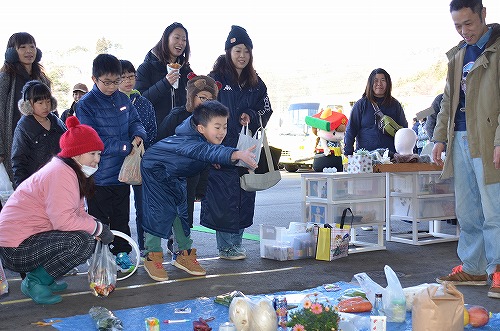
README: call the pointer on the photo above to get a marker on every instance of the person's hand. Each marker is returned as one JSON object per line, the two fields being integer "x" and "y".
{"x": 137, "y": 141}
{"x": 247, "y": 156}
{"x": 244, "y": 119}
{"x": 496, "y": 157}
{"x": 172, "y": 76}
{"x": 106, "y": 236}
{"x": 216, "y": 166}
{"x": 436, "y": 153}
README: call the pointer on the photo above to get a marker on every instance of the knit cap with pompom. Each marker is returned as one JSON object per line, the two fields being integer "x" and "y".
{"x": 79, "y": 139}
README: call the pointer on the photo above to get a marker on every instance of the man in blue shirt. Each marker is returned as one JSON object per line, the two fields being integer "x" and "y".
{"x": 468, "y": 126}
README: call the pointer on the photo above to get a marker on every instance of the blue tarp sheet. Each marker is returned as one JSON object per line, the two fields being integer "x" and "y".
{"x": 133, "y": 319}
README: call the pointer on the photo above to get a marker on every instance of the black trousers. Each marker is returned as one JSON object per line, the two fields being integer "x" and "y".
{"x": 111, "y": 205}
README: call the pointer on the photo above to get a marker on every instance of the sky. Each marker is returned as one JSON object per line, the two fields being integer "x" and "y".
{"x": 397, "y": 35}
{"x": 284, "y": 33}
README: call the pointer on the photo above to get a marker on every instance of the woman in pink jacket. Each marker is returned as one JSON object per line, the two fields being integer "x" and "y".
{"x": 44, "y": 228}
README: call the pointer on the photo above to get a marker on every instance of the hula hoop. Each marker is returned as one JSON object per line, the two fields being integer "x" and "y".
{"x": 135, "y": 248}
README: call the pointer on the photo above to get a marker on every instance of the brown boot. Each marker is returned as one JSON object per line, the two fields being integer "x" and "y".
{"x": 187, "y": 261}
{"x": 154, "y": 267}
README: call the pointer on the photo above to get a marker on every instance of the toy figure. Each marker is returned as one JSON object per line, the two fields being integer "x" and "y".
{"x": 330, "y": 127}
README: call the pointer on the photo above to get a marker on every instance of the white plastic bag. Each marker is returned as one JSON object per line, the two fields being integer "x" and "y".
{"x": 6, "y": 188}
{"x": 4, "y": 285}
{"x": 248, "y": 315}
{"x": 130, "y": 171}
{"x": 245, "y": 141}
{"x": 393, "y": 296}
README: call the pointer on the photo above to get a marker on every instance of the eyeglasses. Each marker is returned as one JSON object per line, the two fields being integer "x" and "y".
{"x": 109, "y": 82}
{"x": 203, "y": 99}
{"x": 129, "y": 77}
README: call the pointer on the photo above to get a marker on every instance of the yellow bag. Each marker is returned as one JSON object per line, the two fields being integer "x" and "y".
{"x": 130, "y": 171}
{"x": 333, "y": 242}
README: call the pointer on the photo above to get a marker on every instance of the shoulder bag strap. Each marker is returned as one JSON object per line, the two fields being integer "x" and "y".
{"x": 265, "y": 144}
{"x": 378, "y": 115}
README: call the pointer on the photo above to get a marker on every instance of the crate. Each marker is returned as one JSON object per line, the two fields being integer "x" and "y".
{"x": 282, "y": 244}
{"x": 425, "y": 184}
{"x": 426, "y": 208}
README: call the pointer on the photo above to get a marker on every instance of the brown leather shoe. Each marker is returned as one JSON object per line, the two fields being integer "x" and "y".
{"x": 460, "y": 277}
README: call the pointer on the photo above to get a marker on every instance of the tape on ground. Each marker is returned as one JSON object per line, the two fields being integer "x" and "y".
{"x": 248, "y": 236}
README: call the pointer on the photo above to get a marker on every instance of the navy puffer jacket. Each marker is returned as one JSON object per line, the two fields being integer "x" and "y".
{"x": 153, "y": 85}
{"x": 33, "y": 146}
{"x": 117, "y": 122}
{"x": 164, "y": 169}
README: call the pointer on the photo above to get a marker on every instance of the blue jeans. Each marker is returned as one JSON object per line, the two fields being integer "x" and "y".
{"x": 477, "y": 209}
{"x": 227, "y": 240}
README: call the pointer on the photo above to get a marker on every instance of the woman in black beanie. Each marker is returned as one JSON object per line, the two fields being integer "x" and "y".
{"x": 226, "y": 207}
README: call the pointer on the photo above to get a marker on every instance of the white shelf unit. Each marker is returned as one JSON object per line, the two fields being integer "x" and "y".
{"x": 418, "y": 197}
{"x": 326, "y": 195}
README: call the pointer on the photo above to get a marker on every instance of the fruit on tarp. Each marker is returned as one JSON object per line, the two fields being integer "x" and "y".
{"x": 478, "y": 316}
{"x": 466, "y": 316}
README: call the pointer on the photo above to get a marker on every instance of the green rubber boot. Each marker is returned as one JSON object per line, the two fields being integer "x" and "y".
{"x": 45, "y": 278}
{"x": 36, "y": 286}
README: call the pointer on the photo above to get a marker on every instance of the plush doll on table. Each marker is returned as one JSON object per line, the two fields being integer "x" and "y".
{"x": 330, "y": 127}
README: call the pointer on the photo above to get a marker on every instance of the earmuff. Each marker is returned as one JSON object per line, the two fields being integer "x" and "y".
{"x": 24, "y": 104}
{"x": 11, "y": 55}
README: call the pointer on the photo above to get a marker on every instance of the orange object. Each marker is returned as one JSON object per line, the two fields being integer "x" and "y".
{"x": 354, "y": 305}
{"x": 478, "y": 316}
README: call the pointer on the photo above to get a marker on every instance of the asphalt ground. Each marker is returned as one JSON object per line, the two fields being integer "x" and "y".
{"x": 278, "y": 206}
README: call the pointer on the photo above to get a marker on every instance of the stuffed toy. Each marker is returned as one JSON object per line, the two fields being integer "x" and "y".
{"x": 330, "y": 128}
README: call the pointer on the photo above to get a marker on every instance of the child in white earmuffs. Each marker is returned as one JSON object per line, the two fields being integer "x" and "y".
{"x": 36, "y": 136}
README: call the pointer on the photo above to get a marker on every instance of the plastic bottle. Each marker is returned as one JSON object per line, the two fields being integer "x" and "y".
{"x": 105, "y": 320}
{"x": 378, "y": 306}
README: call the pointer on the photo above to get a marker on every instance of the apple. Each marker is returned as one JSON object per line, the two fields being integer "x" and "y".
{"x": 478, "y": 316}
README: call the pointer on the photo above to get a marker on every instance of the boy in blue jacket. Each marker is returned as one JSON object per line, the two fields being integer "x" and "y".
{"x": 147, "y": 115}
{"x": 164, "y": 168}
{"x": 114, "y": 117}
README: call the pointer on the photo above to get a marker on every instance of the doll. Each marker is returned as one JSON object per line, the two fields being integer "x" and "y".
{"x": 329, "y": 126}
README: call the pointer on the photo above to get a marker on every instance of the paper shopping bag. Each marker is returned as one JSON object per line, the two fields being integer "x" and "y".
{"x": 438, "y": 307}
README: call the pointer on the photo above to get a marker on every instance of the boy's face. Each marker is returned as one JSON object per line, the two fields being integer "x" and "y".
{"x": 215, "y": 131}
{"x": 128, "y": 82}
{"x": 108, "y": 83}
{"x": 201, "y": 97}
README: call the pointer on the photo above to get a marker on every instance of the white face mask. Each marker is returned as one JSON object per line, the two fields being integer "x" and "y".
{"x": 88, "y": 170}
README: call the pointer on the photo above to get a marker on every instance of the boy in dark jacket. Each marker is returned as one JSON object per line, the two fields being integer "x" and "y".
{"x": 111, "y": 113}
{"x": 165, "y": 167}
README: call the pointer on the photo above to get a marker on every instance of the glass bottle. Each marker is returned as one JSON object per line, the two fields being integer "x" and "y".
{"x": 378, "y": 306}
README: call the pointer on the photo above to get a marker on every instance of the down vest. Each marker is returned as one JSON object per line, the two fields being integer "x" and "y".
{"x": 164, "y": 169}
{"x": 116, "y": 121}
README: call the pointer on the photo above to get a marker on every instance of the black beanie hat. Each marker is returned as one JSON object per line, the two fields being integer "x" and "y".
{"x": 237, "y": 36}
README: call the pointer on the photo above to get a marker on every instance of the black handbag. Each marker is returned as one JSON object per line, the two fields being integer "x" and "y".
{"x": 275, "y": 156}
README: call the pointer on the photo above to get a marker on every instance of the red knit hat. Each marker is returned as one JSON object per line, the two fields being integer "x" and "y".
{"x": 79, "y": 139}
